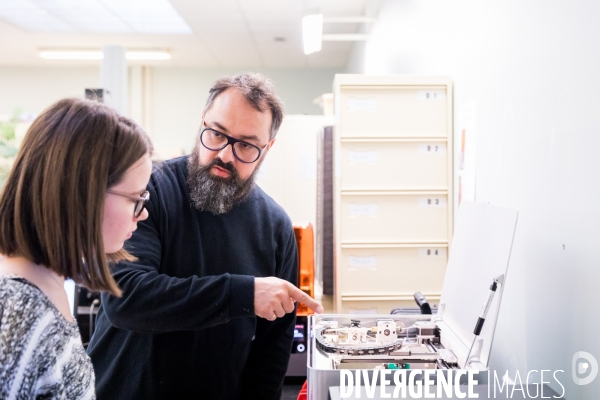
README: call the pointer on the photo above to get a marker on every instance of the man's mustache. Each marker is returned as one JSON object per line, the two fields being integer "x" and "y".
{"x": 219, "y": 163}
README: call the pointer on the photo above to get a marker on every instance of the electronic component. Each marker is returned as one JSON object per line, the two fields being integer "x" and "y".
{"x": 386, "y": 332}
{"x": 382, "y": 344}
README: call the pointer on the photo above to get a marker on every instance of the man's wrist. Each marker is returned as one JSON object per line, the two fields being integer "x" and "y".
{"x": 241, "y": 294}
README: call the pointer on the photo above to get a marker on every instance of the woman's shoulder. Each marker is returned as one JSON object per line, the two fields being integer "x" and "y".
{"x": 38, "y": 339}
{"x": 17, "y": 293}
{"x": 24, "y": 307}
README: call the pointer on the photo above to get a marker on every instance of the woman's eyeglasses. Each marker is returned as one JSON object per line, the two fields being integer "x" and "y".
{"x": 140, "y": 201}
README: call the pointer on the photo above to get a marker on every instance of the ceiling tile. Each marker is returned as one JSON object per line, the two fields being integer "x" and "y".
{"x": 271, "y": 17}
{"x": 270, "y": 28}
{"x": 289, "y": 37}
{"x": 214, "y": 27}
{"x": 69, "y": 6}
{"x": 335, "y": 47}
{"x": 239, "y": 59}
{"x": 204, "y": 6}
{"x": 40, "y": 24}
{"x": 282, "y": 57}
{"x": 277, "y": 6}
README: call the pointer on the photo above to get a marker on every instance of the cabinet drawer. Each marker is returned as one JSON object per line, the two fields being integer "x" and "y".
{"x": 394, "y": 218}
{"x": 394, "y": 111}
{"x": 395, "y": 165}
{"x": 367, "y": 271}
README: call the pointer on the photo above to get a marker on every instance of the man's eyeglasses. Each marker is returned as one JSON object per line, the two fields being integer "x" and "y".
{"x": 140, "y": 201}
{"x": 243, "y": 151}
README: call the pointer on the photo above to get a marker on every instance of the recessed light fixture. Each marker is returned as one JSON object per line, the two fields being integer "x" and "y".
{"x": 279, "y": 39}
{"x": 95, "y": 16}
{"x": 66, "y": 54}
{"x": 312, "y": 31}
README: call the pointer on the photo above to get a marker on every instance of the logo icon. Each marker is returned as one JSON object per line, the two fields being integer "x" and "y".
{"x": 585, "y": 368}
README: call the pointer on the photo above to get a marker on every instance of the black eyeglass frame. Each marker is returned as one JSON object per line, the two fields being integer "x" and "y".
{"x": 231, "y": 141}
{"x": 140, "y": 200}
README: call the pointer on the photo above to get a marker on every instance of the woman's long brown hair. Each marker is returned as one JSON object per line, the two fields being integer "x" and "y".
{"x": 52, "y": 205}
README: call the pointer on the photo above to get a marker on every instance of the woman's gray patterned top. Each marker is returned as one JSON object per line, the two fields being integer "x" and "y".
{"x": 41, "y": 354}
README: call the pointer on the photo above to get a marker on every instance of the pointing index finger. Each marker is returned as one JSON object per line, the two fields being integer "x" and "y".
{"x": 305, "y": 299}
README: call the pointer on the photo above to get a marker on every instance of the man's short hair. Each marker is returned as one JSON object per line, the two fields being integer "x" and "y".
{"x": 258, "y": 90}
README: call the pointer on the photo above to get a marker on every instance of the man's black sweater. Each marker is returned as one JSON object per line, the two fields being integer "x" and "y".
{"x": 185, "y": 326}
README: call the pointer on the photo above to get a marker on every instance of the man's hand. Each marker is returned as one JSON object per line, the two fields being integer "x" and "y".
{"x": 274, "y": 297}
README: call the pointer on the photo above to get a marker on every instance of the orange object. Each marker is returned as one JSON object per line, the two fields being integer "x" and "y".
{"x": 305, "y": 238}
{"x": 303, "y": 395}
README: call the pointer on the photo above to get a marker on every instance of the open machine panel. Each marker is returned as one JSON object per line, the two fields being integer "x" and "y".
{"x": 454, "y": 338}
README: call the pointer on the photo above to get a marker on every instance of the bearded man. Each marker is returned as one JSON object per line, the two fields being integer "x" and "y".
{"x": 207, "y": 310}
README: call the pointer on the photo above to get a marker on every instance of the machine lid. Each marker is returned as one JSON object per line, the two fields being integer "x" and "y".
{"x": 480, "y": 252}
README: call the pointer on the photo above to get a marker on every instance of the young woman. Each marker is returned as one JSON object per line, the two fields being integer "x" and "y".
{"x": 73, "y": 197}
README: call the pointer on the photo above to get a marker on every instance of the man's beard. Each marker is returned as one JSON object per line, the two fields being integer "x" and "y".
{"x": 212, "y": 193}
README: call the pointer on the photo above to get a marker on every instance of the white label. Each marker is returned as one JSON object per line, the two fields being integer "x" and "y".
{"x": 432, "y": 201}
{"x": 363, "y": 262}
{"x": 365, "y": 103}
{"x": 363, "y": 209}
{"x": 362, "y": 311}
{"x": 431, "y": 94}
{"x": 432, "y": 252}
{"x": 356, "y": 157}
{"x": 432, "y": 148}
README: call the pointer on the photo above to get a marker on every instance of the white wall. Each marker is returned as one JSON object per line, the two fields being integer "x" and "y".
{"x": 532, "y": 68}
{"x": 289, "y": 172}
{"x": 357, "y": 60}
{"x": 32, "y": 89}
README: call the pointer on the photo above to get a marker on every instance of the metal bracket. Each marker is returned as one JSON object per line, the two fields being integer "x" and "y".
{"x": 440, "y": 314}
{"x": 499, "y": 279}
{"x": 476, "y": 352}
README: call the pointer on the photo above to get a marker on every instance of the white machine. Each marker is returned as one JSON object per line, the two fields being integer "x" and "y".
{"x": 470, "y": 299}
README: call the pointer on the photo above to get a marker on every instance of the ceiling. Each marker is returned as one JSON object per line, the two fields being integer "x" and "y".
{"x": 225, "y": 33}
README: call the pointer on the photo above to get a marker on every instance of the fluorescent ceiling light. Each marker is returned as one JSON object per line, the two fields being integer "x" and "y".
{"x": 140, "y": 55}
{"x": 312, "y": 33}
{"x": 71, "y": 54}
{"x": 312, "y": 30}
{"x": 98, "y": 16}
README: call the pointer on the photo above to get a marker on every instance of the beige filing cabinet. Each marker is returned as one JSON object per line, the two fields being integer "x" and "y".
{"x": 392, "y": 190}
